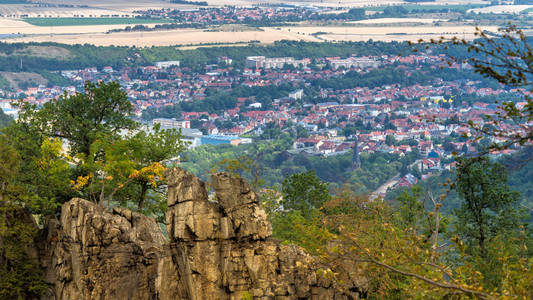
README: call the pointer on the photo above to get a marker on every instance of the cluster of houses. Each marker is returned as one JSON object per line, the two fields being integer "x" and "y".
{"x": 231, "y": 15}
{"x": 389, "y": 112}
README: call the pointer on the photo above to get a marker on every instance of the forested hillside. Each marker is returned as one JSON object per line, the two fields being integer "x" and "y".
{"x": 84, "y": 56}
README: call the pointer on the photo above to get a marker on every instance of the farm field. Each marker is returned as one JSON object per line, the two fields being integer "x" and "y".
{"x": 35, "y": 11}
{"x": 12, "y": 26}
{"x": 503, "y": 9}
{"x": 396, "y": 20}
{"x": 390, "y": 33}
{"x": 130, "y": 6}
{"x": 70, "y": 30}
{"x": 168, "y": 38}
{"x": 264, "y": 35}
{"x": 410, "y": 7}
{"x": 50, "y": 22}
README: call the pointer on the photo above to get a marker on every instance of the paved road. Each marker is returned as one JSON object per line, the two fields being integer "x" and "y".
{"x": 391, "y": 182}
{"x": 385, "y": 186}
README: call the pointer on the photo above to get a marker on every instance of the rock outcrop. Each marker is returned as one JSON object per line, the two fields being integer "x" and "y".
{"x": 222, "y": 250}
{"x": 219, "y": 249}
{"x": 96, "y": 254}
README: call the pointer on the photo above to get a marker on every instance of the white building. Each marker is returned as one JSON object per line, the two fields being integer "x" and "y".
{"x": 354, "y": 62}
{"x": 172, "y": 123}
{"x": 296, "y": 95}
{"x": 277, "y": 62}
{"x": 167, "y": 64}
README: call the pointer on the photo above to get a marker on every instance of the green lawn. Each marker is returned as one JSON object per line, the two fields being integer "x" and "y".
{"x": 48, "y": 22}
{"x": 427, "y": 7}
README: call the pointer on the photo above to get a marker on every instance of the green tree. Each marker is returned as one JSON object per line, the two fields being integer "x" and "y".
{"x": 156, "y": 146}
{"x": 20, "y": 275}
{"x": 4, "y": 119}
{"x": 304, "y": 192}
{"x": 102, "y": 108}
{"x": 43, "y": 169}
{"x": 489, "y": 206}
{"x": 130, "y": 170}
{"x": 390, "y": 140}
{"x": 489, "y": 220}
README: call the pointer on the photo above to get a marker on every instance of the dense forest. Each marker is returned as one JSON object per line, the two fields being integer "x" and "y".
{"x": 275, "y": 163}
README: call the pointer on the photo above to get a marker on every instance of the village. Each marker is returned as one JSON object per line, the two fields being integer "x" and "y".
{"x": 389, "y": 118}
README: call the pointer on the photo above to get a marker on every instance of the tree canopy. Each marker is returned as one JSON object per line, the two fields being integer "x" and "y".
{"x": 79, "y": 118}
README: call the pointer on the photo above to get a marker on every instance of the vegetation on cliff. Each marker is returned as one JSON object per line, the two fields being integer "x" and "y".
{"x": 102, "y": 164}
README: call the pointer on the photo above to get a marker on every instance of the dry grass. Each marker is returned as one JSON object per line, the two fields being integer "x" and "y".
{"x": 15, "y": 79}
{"x": 45, "y": 51}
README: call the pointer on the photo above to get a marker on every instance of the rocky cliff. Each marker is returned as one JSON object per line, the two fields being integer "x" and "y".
{"x": 218, "y": 249}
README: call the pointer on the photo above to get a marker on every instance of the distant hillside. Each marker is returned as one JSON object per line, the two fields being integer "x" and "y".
{"x": 36, "y": 57}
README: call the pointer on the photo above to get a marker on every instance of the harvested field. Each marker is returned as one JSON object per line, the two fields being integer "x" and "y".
{"x": 502, "y": 9}
{"x": 410, "y": 7}
{"x": 397, "y": 20}
{"x": 123, "y": 5}
{"x": 10, "y": 26}
{"x": 167, "y": 38}
{"x": 388, "y": 33}
{"x": 52, "y": 22}
{"x": 97, "y": 34}
{"x": 263, "y": 35}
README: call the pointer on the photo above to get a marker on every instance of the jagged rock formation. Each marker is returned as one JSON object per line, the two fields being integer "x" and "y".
{"x": 218, "y": 249}
{"x": 96, "y": 254}
{"x": 221, "y": 248}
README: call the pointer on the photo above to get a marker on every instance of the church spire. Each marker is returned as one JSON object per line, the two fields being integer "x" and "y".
{"x": 356, "y": 160}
